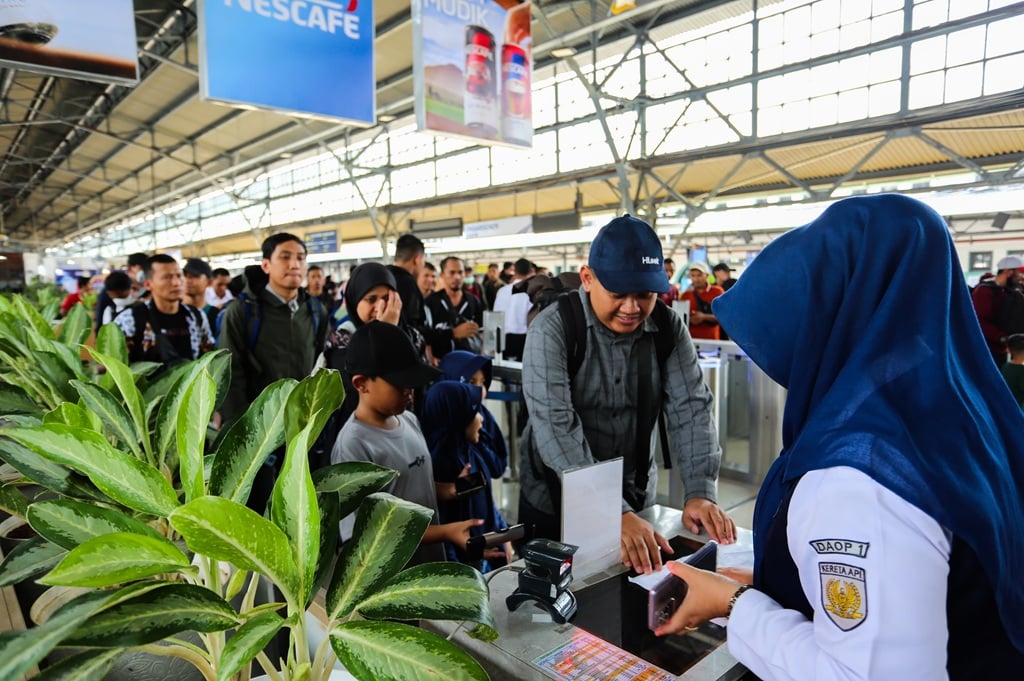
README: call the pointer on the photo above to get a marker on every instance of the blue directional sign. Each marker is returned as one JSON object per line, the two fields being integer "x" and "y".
{"x": 322, "y": 242}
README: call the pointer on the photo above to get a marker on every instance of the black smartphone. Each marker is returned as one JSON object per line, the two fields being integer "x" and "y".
{"x": 475, "y": 545}
{"x": 469, "y": 484}
{"x": 665, "y": 597}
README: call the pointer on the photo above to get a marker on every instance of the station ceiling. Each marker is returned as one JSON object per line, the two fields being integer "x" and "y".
{"x": 79, "y": 156}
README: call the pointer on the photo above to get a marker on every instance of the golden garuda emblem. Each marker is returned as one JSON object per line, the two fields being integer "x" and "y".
{"x": 843, "y": 594}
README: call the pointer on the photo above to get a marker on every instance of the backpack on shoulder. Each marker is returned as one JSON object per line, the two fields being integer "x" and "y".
{"x": 143, "y": 315}
{"x": 1009, "y": 304}
{"x": 574, "y": 324}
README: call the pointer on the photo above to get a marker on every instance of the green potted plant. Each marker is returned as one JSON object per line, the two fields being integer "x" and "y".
{"x": 159, "y": 536}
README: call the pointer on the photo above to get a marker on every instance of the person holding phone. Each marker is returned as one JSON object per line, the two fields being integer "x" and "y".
{"x": 887, "y": 535}
{"x": 370, "y": 295}
{"x": 452, "y": 421}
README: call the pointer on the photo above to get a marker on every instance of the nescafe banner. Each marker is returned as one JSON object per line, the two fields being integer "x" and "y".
{"x": 473, "y": 66}
{"x": 93, "y": 40}
{"x": 305, "y": 57}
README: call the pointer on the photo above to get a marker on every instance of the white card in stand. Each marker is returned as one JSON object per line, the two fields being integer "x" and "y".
{"x": 494, "y": 333}
{"x": 682, "y": 308}
{"x": 592, "y": 515}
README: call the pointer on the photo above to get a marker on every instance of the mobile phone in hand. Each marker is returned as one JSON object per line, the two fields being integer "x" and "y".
{"x": 666, "y": 596}
{"x": 469, "y": 484}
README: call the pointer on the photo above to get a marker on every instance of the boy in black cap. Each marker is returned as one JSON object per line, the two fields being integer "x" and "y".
{"x": 385, "y": 368}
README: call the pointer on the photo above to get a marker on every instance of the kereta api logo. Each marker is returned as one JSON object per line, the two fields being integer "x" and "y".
{"x": 319, "y": 15}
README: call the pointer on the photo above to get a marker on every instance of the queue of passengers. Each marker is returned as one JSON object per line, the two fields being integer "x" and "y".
{"x": 887, "y": 534}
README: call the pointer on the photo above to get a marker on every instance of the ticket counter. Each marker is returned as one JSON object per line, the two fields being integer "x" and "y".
{"x": 608, "y": 637}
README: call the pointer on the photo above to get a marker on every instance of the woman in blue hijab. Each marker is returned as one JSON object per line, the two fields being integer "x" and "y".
{"x": 452, "y": 426}
{"x": 889, "y": 534}
{"x": 469, "y": 367}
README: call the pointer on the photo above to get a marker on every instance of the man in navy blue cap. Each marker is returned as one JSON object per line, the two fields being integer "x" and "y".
{"x": 607, "y": 405}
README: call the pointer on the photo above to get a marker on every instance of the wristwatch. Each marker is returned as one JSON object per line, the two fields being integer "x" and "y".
{"x": 735, "y": 597}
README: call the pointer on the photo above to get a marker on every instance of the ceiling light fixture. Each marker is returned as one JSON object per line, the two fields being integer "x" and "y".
{"x": 386, "y": 118}
{"x": 563, "y": 52}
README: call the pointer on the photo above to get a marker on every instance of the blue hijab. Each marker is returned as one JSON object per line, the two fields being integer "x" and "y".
{"x": 460, "y": 365}
{"x": 447, "y": 410}
{"x": 864, "y": 317}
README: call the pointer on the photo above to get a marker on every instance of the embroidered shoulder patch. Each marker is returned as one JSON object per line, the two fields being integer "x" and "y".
{"x": 844, "y": 594}
{"x": 846, "y": 547}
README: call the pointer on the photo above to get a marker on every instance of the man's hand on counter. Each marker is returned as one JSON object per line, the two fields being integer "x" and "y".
{"x": 641, "y": 544}
{"x": 704, "y": 513}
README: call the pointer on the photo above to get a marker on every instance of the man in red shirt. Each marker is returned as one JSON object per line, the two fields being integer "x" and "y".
{"x": 989, "y": 296}
{"x": 703, "y": 323}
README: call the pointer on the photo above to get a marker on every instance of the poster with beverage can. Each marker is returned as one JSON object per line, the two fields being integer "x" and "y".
{"x": 473, "y": 69}
{"x": 90, "y": 40}
{"x": 307, "y": 57}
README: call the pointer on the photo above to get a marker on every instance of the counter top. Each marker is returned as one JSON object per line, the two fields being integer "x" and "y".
{"x": 528, "y": 634}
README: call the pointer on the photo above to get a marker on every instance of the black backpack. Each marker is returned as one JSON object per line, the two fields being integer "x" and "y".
{"x": 574, "y": 323}
{"x": 1009, "y": 308}
{"x": 143, "y": 315}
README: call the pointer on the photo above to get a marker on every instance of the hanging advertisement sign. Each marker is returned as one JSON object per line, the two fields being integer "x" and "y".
{"x": 473, "y": 69}
{"x": 308, "y": 57}
{"x": 90, "y": 40}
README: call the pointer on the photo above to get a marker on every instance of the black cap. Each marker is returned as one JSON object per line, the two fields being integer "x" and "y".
{"x": 721, "y": 267}
{"x": 197, "y": 267}
{"x": 382, "y": 350}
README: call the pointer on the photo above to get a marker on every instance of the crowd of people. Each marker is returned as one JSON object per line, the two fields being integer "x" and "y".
{"x": 899, "y": 486}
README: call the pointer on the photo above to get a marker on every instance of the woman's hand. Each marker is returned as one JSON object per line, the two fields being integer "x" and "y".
{"x": 707, "y": 596}
{"x": 390, "y": 309}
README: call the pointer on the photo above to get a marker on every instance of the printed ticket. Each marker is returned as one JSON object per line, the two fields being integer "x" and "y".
{"x": 586, "y": 657}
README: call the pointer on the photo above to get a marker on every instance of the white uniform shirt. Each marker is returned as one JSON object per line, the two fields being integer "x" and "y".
{"x": 516, "y": 307}
{"x": 875, "y": 570}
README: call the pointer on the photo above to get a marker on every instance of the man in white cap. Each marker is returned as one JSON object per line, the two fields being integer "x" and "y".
{"x": 991, "y": 297}
{"x": 604, "y": 404}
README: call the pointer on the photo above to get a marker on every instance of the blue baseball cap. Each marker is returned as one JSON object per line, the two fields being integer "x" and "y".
{"x": 626, "y": 256}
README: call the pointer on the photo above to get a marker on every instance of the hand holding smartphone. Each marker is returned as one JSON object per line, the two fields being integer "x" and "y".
{"x": 664, "y": 598}
{"x": 468, "y": 484}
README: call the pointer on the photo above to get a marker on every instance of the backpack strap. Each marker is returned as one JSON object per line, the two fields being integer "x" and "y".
{"x": 316, "y": 310}
{"x": 664, "y": 344}
{"x": 140, "y": 312}
{"x": 253, "y": 319}
{"x": 574, "y": 323}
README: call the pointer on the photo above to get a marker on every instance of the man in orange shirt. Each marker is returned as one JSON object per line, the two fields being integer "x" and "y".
{"x": 703, "y": 323}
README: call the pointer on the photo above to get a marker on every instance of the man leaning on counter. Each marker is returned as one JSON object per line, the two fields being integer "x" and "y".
{"x": 620, "y": 386}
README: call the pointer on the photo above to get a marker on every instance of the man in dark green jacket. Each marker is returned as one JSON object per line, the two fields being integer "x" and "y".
{"x": 275, "y": 330}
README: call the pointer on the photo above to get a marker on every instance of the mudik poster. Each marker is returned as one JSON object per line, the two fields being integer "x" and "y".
{"x": 92, "y": 40}
{"x": 473, "y": 66}
{"x": 312, "y": 57}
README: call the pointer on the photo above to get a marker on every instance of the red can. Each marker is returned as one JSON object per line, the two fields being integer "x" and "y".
{"x": 515, "y": 95}
{"x": 479, "y": 99}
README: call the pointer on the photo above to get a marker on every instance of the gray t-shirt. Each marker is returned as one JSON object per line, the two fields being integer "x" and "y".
{"x": 402, "y": 449}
